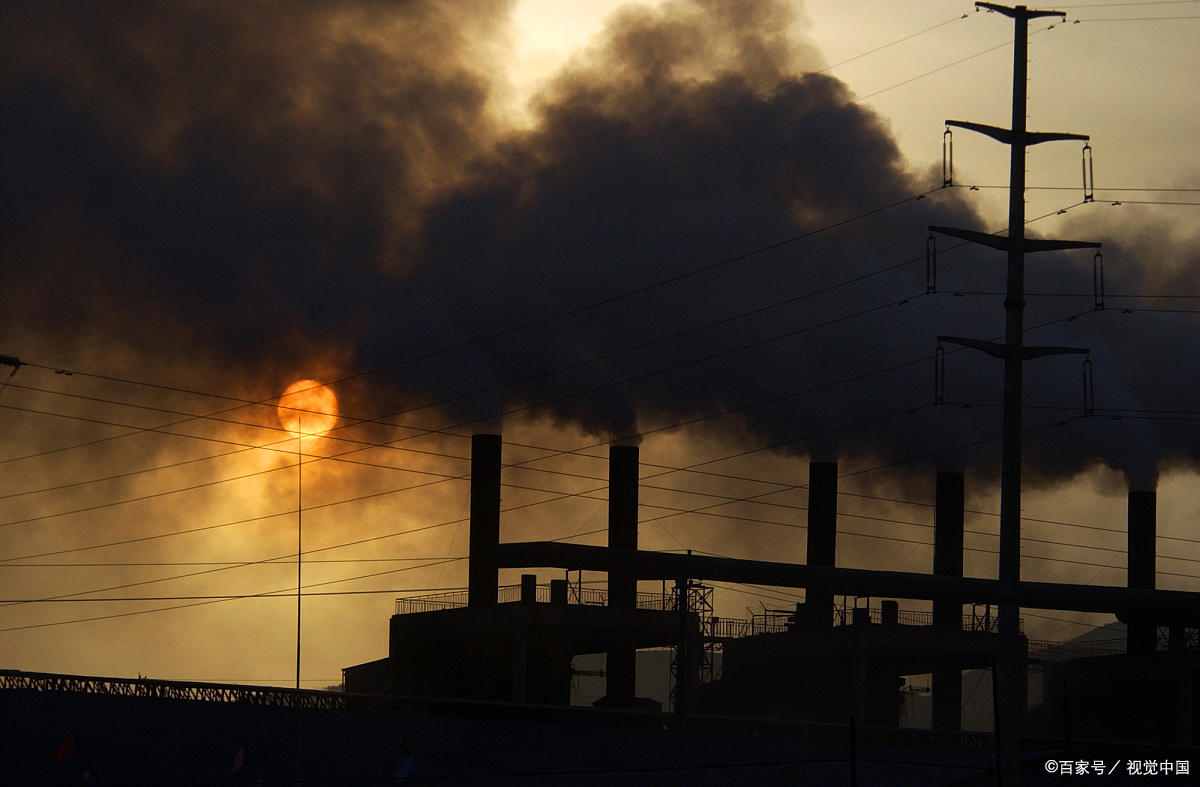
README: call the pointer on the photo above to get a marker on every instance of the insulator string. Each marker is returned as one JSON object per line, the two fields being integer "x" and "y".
{"x": 931, "y": 263}
{"x": 939, "y": 374}
{"x": 1089, "y": 391}
{"x": 1089, "y": 178}
{"x": 947, "y": 158}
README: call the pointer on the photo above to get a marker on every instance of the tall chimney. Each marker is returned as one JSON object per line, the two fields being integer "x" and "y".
{"x": 1142, "y": 636}
{"x": 822, "y": 537}
{"x": 483, "y": 583}
{"x": 622, "y": 518}
{"x": 948, "y": 542}
{"x": 950, "y": 499}
{"x": 621, "y": 663}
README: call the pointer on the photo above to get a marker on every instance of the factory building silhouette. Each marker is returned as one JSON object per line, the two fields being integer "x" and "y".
{"x": 820, "y": 662}
{"x": 811, "y": 692}
{"x": 477, "y": 685}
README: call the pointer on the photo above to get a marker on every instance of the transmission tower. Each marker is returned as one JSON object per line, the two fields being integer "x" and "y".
{"x": 1014, "y": 353}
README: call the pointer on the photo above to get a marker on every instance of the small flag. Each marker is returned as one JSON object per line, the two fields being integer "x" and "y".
{"x": 239, "y": 760}
{"x": 64, "y": 750}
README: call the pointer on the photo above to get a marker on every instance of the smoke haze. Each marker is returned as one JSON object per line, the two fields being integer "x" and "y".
{"x": 698, "y": 236}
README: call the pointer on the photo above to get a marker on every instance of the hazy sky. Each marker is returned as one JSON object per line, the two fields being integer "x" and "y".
{"x": 692, "y": 223}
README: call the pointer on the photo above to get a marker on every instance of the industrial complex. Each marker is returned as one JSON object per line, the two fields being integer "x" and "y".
{"x": 477, "y": 685}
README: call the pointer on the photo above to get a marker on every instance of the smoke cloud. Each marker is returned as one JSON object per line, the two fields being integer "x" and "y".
{"x": 218, "y": 196}
{"x": 697, "y": 227}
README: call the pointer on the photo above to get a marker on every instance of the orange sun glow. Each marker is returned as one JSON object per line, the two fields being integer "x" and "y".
{"x": 307, "y": 407}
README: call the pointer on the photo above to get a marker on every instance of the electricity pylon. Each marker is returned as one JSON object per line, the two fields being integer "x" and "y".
{"x": 1014, "y": 353}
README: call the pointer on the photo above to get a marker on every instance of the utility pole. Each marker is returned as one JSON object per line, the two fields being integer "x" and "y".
{"x": 682, "y": 657}
{"x": 299, "y": 531}
{"x": 299, "y": 566}
{"x": 1014, "y": 353}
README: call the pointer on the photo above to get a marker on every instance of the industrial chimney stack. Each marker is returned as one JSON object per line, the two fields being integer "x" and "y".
{"x": 1142, "y": 636}
{"x": 620, "y": 664}
{"x": 950, "y": 499}
{"x": 822, "y": 538}
{"x": 483, "y": 581}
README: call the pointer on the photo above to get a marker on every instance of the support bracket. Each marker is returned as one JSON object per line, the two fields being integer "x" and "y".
{"x": 1004, "y": 243}
{"x": 998, "y": 350}
{"x": 1005, "y": 135}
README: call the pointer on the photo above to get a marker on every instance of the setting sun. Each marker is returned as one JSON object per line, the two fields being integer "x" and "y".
{"x": 307, "y": 407}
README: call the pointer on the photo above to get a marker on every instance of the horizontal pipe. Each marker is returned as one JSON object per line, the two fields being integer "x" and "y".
{"x": 1165, "y": 605}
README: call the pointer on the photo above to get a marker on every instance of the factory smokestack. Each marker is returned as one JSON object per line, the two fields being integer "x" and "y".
{"x": 948, "y": 541}
{"x": 622, "y": 518}
{"x": 822, "y": 537}
{"x": 483, "y": 582}
{"x": 620, "y": 666}
{"x": 1142, "y": 636}
{"x": 950, "y": 499}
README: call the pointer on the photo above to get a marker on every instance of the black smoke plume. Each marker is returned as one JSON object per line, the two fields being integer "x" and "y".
{"x": 220, "y": 195}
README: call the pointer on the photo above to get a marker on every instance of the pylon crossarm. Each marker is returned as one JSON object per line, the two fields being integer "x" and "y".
{"x": 995, "y": 241}
{"x": 995, "y": 132}
{"x": 1038, "y": 244}
{"x": 1006, "y": 136}
{"x": 1002, "y": 243}
{"x": 1019, "y": 11}
{"x": 991, "y": 348}
{"x": 1029, "y": 353}
{"x": 1001, "y": 350}
{"x": 1038, "y": 137}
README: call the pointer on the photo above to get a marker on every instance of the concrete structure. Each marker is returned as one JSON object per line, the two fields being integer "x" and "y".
{"x": 521, "y": 650}
{"x": 821, "y": 672}
{"x": 819, "y": 663}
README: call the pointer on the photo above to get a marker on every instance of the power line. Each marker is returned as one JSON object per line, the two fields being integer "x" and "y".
{"x": 284, "y": 513}
{"x": 275, "y": 594}
{"x": 1138, "y": 19}
{"x": 272, "y": 561}
{"x": 241, "y": 448}
{"x": 451, "y": 399}
{"x": 359, "y": 421}
{"x": 469, "y": 422}
{"x": 682, "y": 491}
{"x": 435, "y": 353}
{"x": 522, "y": 408}
{"x": 1107, "y": 295}
{"x": 773, "y": 400}
{"x": 975, "y": 187}
{"x": 1136, "y": 2}
{"x": 267, "y": 561}
{"x": 219, "y": 599}
{"x": 1155, "y": 202}
{"x": 585, "y": 493}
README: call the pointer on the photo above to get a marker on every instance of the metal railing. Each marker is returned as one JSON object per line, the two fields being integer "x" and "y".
{"x": 511, "y": 593}
{"x": 178, "y": 690}
{"x": 1062, "y": 651}
{"x": 507, "y": 594}
{"x": 770, "y": 621}
{"x": 431, "y": 603}
{"x": 664, "y": 601}
{"x": 843, "y": 616}
{"x": 735, "y": 628}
